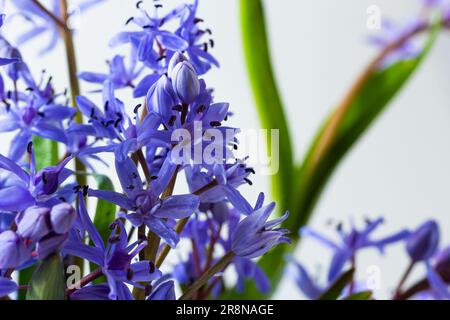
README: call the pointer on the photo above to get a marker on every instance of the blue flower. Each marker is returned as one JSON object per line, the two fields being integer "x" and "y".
{"x": 197, "y": 49}
{"x": 150, "y": 43}
{"x": 41, "y": 24}
{"x": 35, "y": 112}
{"x": 114, "y": 259}
{"x": 145, "y": 206}
{"x": 390, "y": 33}
{"x": 120, "y": 74}
{"x": 35, "y": 188}
{"x": 254, "y": 235}
{"x": 351, "y": 242}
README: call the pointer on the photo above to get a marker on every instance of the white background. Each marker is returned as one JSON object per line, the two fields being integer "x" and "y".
{"x": 400, "y": 169}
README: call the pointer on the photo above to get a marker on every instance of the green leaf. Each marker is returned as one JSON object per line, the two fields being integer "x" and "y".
{"x": 268, "y": 101}
{"x": 48, "y": 281}
{"x": 46, "y": 155}
{"x": 338, "y": 286}
{"x": 45, "y": 152}
{"x": 371, "y": 100}
{"x": 363, "y": 295}
{"x": 310, "y": 179}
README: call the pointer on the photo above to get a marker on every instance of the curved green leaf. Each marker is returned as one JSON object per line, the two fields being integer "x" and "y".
{"x": 335, "y": 290}
{"x": 376, "y": 93}
{"x": 363, "y": 295}
{"x": 265, "y": 92}
{"x": 311, "y": 177}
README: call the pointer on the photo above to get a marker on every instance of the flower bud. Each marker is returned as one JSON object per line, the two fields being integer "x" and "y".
{"x": 33, "y": 223}
{"x": 442, "y": 265}
{"x": 13, "y": 252}
{"x": 185, "y": 82}
{"x": 176, "y": 59}
{"x": 51, "y": 243}
{"x": 423, "y": 242}
{"x": 62, "y": 216}
{"x": 161, "y": 98}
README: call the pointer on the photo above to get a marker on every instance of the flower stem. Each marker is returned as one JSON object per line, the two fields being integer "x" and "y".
{"x": 219, "y": 266}
{"x": 54, "y": 18}
{"x": 181, "y": 224}
{"x": 67, "y": 36}
{"x": 403, "y": 279}
{"x": 151, "y": 250}
{"x": 84, "y": 281}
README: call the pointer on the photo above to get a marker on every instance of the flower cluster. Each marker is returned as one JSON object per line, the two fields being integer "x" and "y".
{"x": 168, "y": 127}
{"x": 421, "y": 246}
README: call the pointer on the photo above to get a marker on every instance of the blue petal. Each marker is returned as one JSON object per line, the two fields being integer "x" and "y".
{"x": 15, "y": 199}
{"x": 87, "y": 223}
{"x": 12, "y": 167}
{"x": 437, "y": 283}
{"x": 160, "y": 228}
{"x": 7, "y": 286}
{"x": 93, "y": 77}
{"x": 48, "y": 131}
{"x": 113, "y": 197}
{"x": 177, "y": 207}
{"x": 165, "y": 291}
{"x": 81, "y": 250}
{"x": 305, "y": 283}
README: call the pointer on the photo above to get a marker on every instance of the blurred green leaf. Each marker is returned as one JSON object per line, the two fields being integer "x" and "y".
{"x": 311, "y": 177}
{"x": 376, "y": 93}
{"x": 48, "y": 281}
{"x": 268, "y": 101}
{"x": 46, "y": 155}
{"x": 338, "y": 286}
{"x": 363, "y": 295}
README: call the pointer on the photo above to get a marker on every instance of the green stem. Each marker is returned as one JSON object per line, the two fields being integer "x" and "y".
{"x": 219, "y": 266}
{"x": 67, "y": 36}
{"x": 181, "y": 224}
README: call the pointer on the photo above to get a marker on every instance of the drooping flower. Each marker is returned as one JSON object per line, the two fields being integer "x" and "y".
{"x": 254, "y": 235}
{"x": 351, "y": 242}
